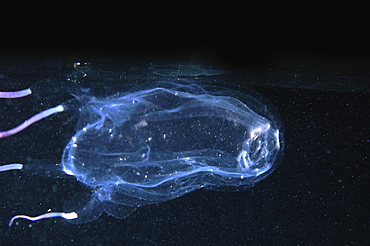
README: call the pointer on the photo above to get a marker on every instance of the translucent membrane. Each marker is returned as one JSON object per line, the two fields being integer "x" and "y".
{"x": 160, "y": 142}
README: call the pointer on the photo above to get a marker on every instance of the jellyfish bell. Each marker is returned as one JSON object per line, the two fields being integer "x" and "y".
{"x": 157, "y": 142}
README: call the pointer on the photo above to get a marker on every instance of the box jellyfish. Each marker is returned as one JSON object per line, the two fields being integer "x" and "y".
{"x": 160, "y": 141}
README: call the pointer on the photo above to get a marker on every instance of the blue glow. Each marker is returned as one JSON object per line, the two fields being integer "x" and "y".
{"x": 157, "y": 142}
{"x": 161, "y": 142}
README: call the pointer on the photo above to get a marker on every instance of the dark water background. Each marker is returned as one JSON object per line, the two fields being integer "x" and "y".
{"x": 318, "y": 195}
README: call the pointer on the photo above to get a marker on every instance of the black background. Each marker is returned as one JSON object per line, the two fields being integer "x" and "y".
{"x": 318, "y": 79}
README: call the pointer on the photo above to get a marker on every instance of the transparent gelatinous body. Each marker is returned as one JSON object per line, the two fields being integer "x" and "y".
{"x": 158, "y": 143}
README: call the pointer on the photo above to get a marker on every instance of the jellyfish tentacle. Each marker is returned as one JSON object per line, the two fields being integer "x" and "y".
{"x": 33, "y": 119}
{"x": 15, "y": 94}
{"x": 10, "y": 167}
{"x": 67, "y": 216}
